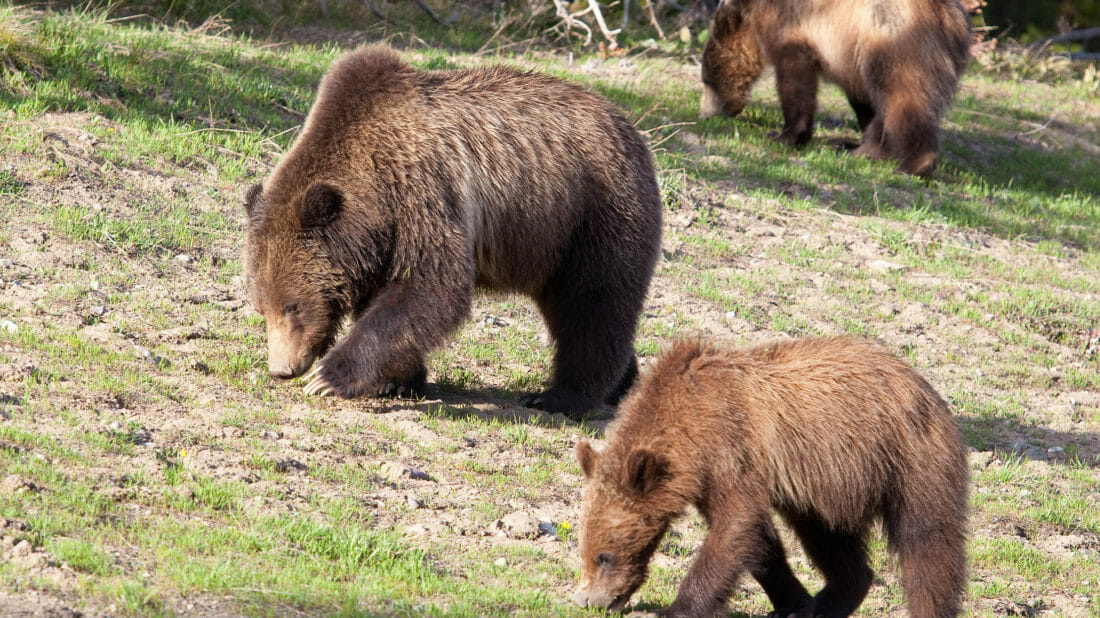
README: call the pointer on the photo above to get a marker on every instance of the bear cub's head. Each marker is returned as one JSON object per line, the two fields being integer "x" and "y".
{"x": 309, "y": 261}
{"x": 628, "y": 506}
{"x": 732, "y": 61}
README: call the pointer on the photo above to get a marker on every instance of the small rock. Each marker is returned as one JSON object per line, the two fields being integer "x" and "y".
{"x": 1056, "y": 452}
{"x": 288, "y": 464}
{"x": 413, "y": 501}
{"x": 979, "y": 460}
{"x": 183, "y": 258}
{"x": 500, "y": 562}
{"x": 22, "y": 549}
{"x": 6, "y": 263}
{"x": 98, "y": 311}
{"x": 884, "y": 266}
{"x": 14, "y": 484}
{"x": 9, "y": 327}
{"x": 520, "y": 525}
{"x": 269, "y": 434}
{"x": 395, "y": 472}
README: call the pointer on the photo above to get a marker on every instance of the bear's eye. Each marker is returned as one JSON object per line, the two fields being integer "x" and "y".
{"x": 290, "y": 309}
{"x": 605, "y": 560}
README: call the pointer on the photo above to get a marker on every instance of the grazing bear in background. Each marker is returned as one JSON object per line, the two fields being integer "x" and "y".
{"x": 898, "y": 62}
{"x": 831, "y": 433}
{"x": 408, "y": 189}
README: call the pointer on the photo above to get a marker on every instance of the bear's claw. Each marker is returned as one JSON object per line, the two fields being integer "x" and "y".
{"x": 318, "y": 385}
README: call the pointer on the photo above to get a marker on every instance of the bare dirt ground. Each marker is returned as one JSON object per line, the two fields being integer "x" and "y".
{"x": 170, "y": 316}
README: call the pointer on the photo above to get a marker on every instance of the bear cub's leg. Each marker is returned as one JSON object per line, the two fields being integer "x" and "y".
{"x": 865, "y": 112}
{"x": 796, "y": 80}
{"x": 770, "y": 569}
{"x": 842, "y": 559}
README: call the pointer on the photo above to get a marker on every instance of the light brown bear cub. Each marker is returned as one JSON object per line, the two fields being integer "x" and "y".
{"x": 831, "y": 433}
{"x": 898, "y": 62}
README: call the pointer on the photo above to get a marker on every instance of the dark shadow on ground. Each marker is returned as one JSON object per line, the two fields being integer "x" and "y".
{"x": 1007, "y": 439}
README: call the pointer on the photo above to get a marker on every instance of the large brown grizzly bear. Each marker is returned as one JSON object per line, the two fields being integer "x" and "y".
{"x": 408, "y": 189}
{"x": 831, "y": 433}
{"x": 898, "y": 62}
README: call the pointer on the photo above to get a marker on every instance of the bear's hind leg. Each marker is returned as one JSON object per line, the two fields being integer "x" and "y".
{"x": 593, "y": 327}
{"x": 931, "y": 550}
{"x": 796, "y": 81}
{"x": 842, "y": 559}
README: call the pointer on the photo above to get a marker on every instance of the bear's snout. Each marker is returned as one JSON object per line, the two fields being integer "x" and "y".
{"x": 586, "y": 597}
{"x": 282, "y": 368}
{"x": 711, "y": 104}
{"x": 285, "y": 357}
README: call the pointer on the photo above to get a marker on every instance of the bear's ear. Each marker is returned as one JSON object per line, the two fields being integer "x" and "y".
{"x": 727, "y": 19}
{"x": 252, "y": 202}
{"x": 321, "y": 205}
{"x": 586, "y": 457}
{"x": 644, "y": 472}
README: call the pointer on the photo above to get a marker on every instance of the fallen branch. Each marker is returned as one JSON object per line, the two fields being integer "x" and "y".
{"x": 377, "y": 13}
{"x": 653, "y": 19}
{"x": 1075, "y": 35}
{"x": 569, "y": 19}
{"x": 594, "y": 6}
{"x": 427, "y": 9}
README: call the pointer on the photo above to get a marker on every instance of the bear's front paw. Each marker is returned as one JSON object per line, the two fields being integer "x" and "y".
{"x": 411, "y": 386}
{"x": 336, "y": 375}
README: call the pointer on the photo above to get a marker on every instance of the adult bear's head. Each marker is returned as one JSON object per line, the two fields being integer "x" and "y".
{"x": 310, "y": 258}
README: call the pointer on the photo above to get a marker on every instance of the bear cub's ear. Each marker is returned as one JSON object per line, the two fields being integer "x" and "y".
{"x": 321, "y": 205}
{"x": 728, "y": 18}
{"x": 586, "y": 457}
{"x": 645, "y": 472}
{"x": 252, "y": 202}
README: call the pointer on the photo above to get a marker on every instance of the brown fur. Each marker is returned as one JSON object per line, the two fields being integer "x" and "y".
{"x": 898, "y": 62}
{"x": 409, "y": 189}
{"x": 831, "y": 433}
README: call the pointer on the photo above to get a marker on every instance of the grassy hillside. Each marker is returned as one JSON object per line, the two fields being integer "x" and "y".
{"x": 148, "y": 464}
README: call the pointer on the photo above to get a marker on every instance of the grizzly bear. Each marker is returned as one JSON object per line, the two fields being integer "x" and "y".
{"x": 833, "y": 433}
{"x": 407, "y": 190}
{"x": 898, "y": 63}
